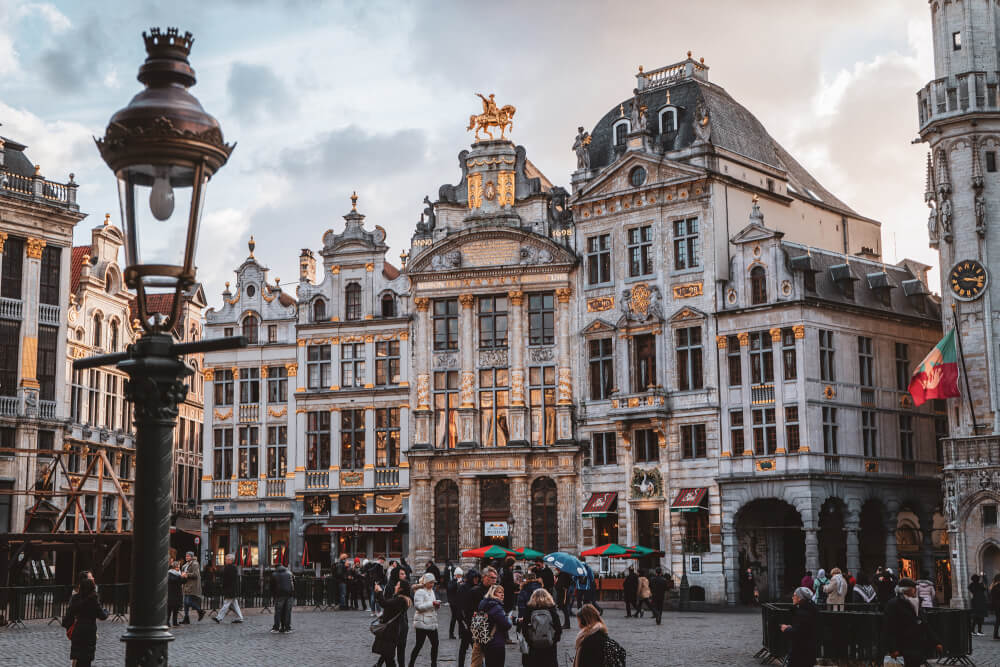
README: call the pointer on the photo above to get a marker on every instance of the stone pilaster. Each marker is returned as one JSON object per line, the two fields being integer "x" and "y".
{"x": 421, "y": 521}
{"x": 926, "y": 547}
{"x": 467, "y": 381}
{"x": 891, "y": 554}
{"x": 564, "y": 391}
{"x": 421, "y": 394}
{"x": 520, "y": 511}
{"x": 812, "y": 545}
{"x": 731, "y": 560}
{"x": 468, "y": 518}
{"x": 29, "y": 326}
{"x": 516, "y": 336}
{"x": 569, "y": 505}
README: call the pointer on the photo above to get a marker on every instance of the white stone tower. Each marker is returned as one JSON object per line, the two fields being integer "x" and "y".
{"x": 960, "y": 121}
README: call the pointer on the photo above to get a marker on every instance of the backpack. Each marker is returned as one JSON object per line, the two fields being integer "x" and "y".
{"x": 540, "y": 633}
{"x": 480, "y": 628}
{"x": 614, "y": 654}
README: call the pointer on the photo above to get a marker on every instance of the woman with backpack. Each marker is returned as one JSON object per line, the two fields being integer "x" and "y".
{"x": 387, "y": 635}
{"x": 594, "y": 648}
{"x": 645, "y": 596}
{"x": 541, "y": 629}
{"x": 491, "y": 624}
{"x": 81, "y": 623}
{"x": 425, "y": 618}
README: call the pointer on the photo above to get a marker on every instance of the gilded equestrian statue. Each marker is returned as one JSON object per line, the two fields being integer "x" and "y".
{"x": 492, "y": 117}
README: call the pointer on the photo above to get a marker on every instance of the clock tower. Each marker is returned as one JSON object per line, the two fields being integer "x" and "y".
{"x": 959, "y": 119}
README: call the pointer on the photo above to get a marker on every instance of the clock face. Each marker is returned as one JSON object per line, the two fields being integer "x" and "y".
{"x": 968, "y": 279}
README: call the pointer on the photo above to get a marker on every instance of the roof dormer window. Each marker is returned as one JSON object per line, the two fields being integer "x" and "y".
{"x": 668, "y": 119}
{"x": 618, "y": 131}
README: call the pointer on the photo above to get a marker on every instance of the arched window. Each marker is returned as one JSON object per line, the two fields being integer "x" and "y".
{"x": 544, "y": 516}
{"x": 352, "y": 299}
{"x": 668, "y": 120}
{"x": 758, "y": 285}
{"x": 446, "y": 521}
{"x": 319, "y": 310}
{"x": 113, "y": 347}
{"x": 97, "y": 330}
{"x": 388, "y": 306}
{"x": 251, "y": 325}
{"x": 619, "y": 130}
{"x": 109, "y": 282}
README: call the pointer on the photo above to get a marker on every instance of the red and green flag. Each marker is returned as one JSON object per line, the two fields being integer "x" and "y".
{"x": 937, "y": 374}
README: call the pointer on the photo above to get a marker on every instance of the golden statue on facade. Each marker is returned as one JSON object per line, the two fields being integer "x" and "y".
{"x": 492, "y": 117}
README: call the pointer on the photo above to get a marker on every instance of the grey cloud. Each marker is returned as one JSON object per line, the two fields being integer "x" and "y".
{"x": 77, "y": 60}
{"x": 353, "y": 152}
{"x": 255, "y": 91}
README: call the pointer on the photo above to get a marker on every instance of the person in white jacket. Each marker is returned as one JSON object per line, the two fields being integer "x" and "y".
{"x": 836, "y": 590}
{"x": 425, "y": 618}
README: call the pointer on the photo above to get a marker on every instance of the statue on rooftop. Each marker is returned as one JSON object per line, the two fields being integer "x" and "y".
{"x": 581, "y": 146}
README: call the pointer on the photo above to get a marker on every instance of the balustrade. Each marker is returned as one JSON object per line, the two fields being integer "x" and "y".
{"x": 222, "y": 489}
{"x": 48, "y": 314}
{"x": 386, "y": 477}
{"x": 10, "y": 309}
{"x": 317, "y": 479}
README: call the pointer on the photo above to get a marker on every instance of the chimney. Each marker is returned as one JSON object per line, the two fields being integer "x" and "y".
{"x": 307, "y": 266}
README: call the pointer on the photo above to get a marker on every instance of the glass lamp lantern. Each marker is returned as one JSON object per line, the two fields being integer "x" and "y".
{"x": 163, "y": 148}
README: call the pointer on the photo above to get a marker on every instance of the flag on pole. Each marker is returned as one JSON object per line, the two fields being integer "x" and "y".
{"x": 937, "y": 374}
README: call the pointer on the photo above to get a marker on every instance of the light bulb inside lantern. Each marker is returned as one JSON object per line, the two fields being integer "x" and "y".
{"x": 161, "y": 198}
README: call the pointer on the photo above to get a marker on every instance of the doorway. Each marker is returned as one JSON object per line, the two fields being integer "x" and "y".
{"x": 647, "y": 530}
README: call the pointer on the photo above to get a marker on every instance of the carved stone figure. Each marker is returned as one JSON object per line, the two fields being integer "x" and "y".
{"x": 447, "y": 261}
{"x": 635, "y": 114}
{"x": 945, "y": 218}
{"x": 980, "y": 213}
{"x": 702, "y": 124}
{"x": 429, "y": 215}
{"x": 559, "y": 210}
{"x": 641, "y": 302}
{"x": 932, "y": 223}
{"x": 533, "y": 255}
{"x": 540, "y": 354}
{"x": 581, "y": 146}
{"x": 423, "y": 391}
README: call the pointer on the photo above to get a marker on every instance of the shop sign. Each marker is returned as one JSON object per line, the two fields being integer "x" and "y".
{"x": 496, "y": 529}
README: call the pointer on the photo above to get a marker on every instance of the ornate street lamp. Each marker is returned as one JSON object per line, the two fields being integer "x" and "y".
{"x": 162, "y": 147}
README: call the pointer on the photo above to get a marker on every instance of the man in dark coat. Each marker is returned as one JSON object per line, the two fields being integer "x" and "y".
{"x": 547, "y": 578}
{"x": 802, "y": 651}
{"x": 509, "y": 587}
{"x": 904, "y": 632}
{"x": 531, "y": 584}
{"x": 394, "y": 607}
{"x": 281, "y": 592}
{"x": 376, "y": 575}
{"x": 340, "y": 581}
{"x": 747, "y": 585}
{"x": 631, "y": 591}
{"x": 470, "y": 594}
{"x": 454, "y": 600}
{"x": 658, "y": 587}
{"x": 885, "y": 583}
{"x": 230, "y": 584}
{"x": 564, "y": 586}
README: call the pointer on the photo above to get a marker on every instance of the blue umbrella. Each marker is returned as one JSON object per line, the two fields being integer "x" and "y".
{"x": 569, "y": 564}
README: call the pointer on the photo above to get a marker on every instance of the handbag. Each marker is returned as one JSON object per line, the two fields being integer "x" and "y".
{"x": 378, "y": 625}
{"x": 522, "y": 643}
{"x": 69, "y": 631}
{"x": 889, "y": 661}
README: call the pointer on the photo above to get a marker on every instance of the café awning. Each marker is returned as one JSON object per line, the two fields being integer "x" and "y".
{"x": 601, "y": 504}
{"x": 363, "y": 523}
{"x": 690, "y": 500}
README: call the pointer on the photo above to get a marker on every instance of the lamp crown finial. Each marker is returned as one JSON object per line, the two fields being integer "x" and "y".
{"x": 251, "y": 244}
{"x": 107, "y": 219}
{"x": 354, "y": 201}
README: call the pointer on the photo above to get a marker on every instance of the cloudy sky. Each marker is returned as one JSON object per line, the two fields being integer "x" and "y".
{"x": 329, "y": 97}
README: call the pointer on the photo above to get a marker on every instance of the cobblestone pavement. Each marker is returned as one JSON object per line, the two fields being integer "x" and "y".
{"x": 338, "y": 639}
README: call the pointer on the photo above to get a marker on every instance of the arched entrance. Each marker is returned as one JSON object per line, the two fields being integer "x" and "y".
{"x": 494, "y": 508}
{"x": 771, "y": 541}
{"x": 990, "y": 562}
{"x": 871, "y": 541}
{"x": 544, "y": 515}
{"x": 832, "y": 537}
{"x": 908, "y": 541}
{"x": 446, "y": 521}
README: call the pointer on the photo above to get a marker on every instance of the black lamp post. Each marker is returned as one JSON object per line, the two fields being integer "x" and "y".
{"x": 162, "y": 146}
{"x": 685, "y": 588}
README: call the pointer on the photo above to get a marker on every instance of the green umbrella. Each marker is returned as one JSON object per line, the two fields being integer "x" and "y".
{"x": 524, "y": 553}
{"x": 639, "y": 551}
{"x": 489, "y": 551}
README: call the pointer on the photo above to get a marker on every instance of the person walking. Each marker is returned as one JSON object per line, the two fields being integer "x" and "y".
{"x": 191, "y": 574}
{"x": 492, "y": 606}
{"x": 658, "y": 591}
{"x": 386, "y": 644}
{"x": 630, "y": 590}
{"x": 645, "y": 595}
{"x": 803, "y": 649}
{"x": 432, "y": 569}
{"x": 995, "y": 603}
{"x": 454, "y": 603}
{"x": 281, "y": 592}
{"x": 836, "y": 590}
{"x": 925, "y": 591}
{"x": 487, "y": 581}
{"x": 977, "y": 593}
{"x": 175, "y": 594}
{"x": 508, "y": 583}
{"x": 807, "y": 580}
{"x": 589, "y": 586}
{"x": 466, "y": 591}
{"x": 592, "y": 642}
{"x": 540, "y": 626}
{"x": 425, "y": 618}
{"x": 885, "y": 584}
{"x": 80, "y": 622}
{"x": 747, "y": 586}
{"x": 340, "y": 581}
{"x": 564, "y": 586}
{"x": 360, "y": 594}
{"x": 531, "y": 584}
{"x": 377, "y": 576}
{"x": 547, "y": 578}
{"x": 230, "y": 584}
{"x": 819, "y": 582}
{"x": 904, "y": 632}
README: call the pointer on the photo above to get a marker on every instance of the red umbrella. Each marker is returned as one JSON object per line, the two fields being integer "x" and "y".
{"x": 607, "y": 550}
{"x": 490, "y": 551}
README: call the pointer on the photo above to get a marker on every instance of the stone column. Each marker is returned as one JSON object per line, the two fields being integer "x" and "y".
{"x": 404, "y": 358}
{"x": 852, "y": 527}
{"x": 516, "y": 338}
{"x": 891, "y": 555}
{"x": 468, "y": 517}
{"x": 569, "y": 507}
{"x": 421, "y": 521}
{"x": 520, "y": 511}
{"x": 564, "y": 391}
{"x": 731, "y": 561}
{"x": 812, "y": 545}
{"x": 422, "y": 437}
{"x": 370, "y": 447}
{"x": 337, "y": 304}
{"x": 467, "y": 386}
{"x": 29, "y": 325}
{"x": 335, "y": 461}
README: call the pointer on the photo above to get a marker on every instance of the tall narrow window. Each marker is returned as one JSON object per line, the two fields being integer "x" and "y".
{"x": 10, "y": 355}
{"x": 223, "y": 385}
{"x": 737, "y": 439}
{"x": 541, "y": 319}
{"x": 318, "y": 366}
{"x": 686, "y": 244}
{"x": 765, "y": 434}
{"x": 640, "y": 251}
{"x": 352, "y": 365}
{"x": 689, "y": 367}
{"x": 319, "y": 310}
{"x": 758, "y": 285}
{"x": 761, "y": 357}
{"x": 621, "y": 129}
{"x": 272, "y": 333}
{"x": 866, "y": 362}
{"x": 493, "y": 401}
{"x": 542, "y": 403}
{"x": 829, "y": 430}
{"x": 604, "y": 449}
{"x": 445, "y": 409}
{"x": 277, "y": 451}
{"x": 11, "y": 268}
{"x": 492, "y": 322}
{"x": 644, "y": 354}
{"x": 48, "y": 275}
{"x": 827, "y": 368}
{"x": 94, "y": 398}
{"x": 277, "y": 384}
{"x": 792, "y": 442}
{"x": 902, "y": 366}
{"x": 318, "y": 440}
{"x": 446, "y": 324}
{"x": 544, "y": 514}
{"x": 98, "y": 326}
{"x": 693, "y": 443}
{"x": 352, "y": 302}
{"x": 446, "y": 518}
{"x": 111, "y": 402}
{"x": 646, "y": 446}
{"x": 789, "y": 357}
{"x": 77, "y": 398}
{"x": 45, "y": 370}
{"x": 869, "y": 434}
{"x": 387, "y": 437}
{"x": 249, "y": 453}
{"x": 113, "y": 330}
{"x": 599, "y": 259}
{"x": 386, "y": 363}
{"x": 352, "y": 439}
{"x": 251, "y": 329}
{"x": 906, "y": 451}
{"x": 249, "y": 385}
{"x": 223, "y": 451}
{"x": 388, "y": 305}
{"x": 602, "y": 369}
{"x": 734, "y": 361}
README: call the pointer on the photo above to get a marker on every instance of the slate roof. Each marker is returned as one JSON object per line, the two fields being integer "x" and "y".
{"x": 15, "y": 160}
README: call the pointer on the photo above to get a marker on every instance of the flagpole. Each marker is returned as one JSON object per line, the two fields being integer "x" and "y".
{"x": 965, "y": 372}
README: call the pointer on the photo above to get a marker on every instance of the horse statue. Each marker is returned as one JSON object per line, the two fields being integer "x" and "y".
{"x": 492, "y": 117}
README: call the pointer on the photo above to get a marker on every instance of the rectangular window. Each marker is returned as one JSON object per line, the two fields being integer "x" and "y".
{"x": 991, "y": 161}
{"x": 906, "y": 438}
{"x": 387, "y": 437}
{"x": 492, "y": 322}
{"x": 386, "y": 363}
{"x": 111, "y": 401}
{"x": 46, "y": 443}
{"x": 789, "y": 357}
{"x": 940, "y": 434}
{"x": 827, "y": 371}
{"x": 352, "y": 365}
{"x": 76, "y": 398}
{"x": 686, "y": 243}
{"x": 272, "y": 333}
{"x": 646, "y": 446}
{"x": 446, "y": 324}
{"x": 223, "y": 385}
{"x": 956, "y": 41}
{"x": 11, "y": 268}
{"x": 693, "y": 441}
{"x": 227, "y": 331}
{"x": 277, "y": 384}
{"x": 10, "y": 354}
{"x": 445, "y": 409}
{"x": 494, "y": 386}
{"x": 830, "y": 430}
{"x": 761, "y": 357}
{"x": 249, "y": 453}
{"x": 352, "y": 439}
{"x": 542, "y": 403}
{"x": 599, "y": 259}
{"x": 602, "y": 369}
{"x": 640, "y": 251}
{"x": 223, "y": 451}
{"x": 733, "y": 356}
{"x": 45, "y": 369}
{"x": 765, "y": 432}
{"x": 792, "y": 428}
{"x": 902, "y": 366}
{"x": 318, "y": 366}
{"x": 541, "y": 319}
{"x": 604, "y": 449}
{"x": 989, "y": 516}
{"x": 689, "y": 368}
{"x": 277, "y": 451}
{"x": 318, "y": 440}
{"x": 644, "y": 354}
{"x": 352, "y": 302}
{"x": 869, "y": 433}
{"x": 249, "y": 386}
{"x": 48, "y": 275}
{"x": 94, "y": 398}
{"x": 866, "y": 362}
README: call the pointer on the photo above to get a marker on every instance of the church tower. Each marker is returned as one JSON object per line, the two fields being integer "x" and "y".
{"x": 960, "y": 121}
